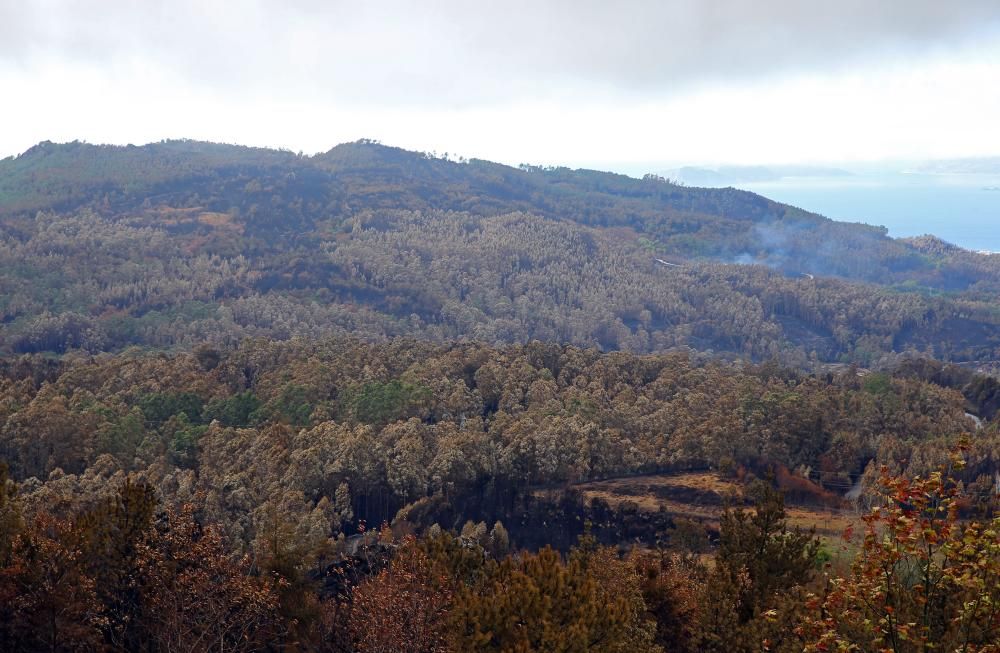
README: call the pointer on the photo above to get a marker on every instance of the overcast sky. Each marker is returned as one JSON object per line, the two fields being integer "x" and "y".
{"x": 618, "y": 84}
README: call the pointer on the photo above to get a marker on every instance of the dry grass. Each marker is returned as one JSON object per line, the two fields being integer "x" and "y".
{"x": 702, "y": 495}
{"x": 215, "y": 219}
{"x": 828, "y": 524}
{"x": 702, "y": 481}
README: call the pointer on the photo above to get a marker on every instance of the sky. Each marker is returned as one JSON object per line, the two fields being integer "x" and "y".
{"x": 613, "y": 85}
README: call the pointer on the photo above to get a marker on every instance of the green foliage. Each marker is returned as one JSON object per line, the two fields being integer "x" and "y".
{"x": 446, "y": 421}
{"x": 823, "y": 557}
{"x": 291, "y": 406}
{"x": 238, "y": 410}
{"x": 540, "y": 603}
{"x": 112, "y": 536}
{"x": 123, "y": 436}
{"x": 376, "y": 402}
{"x": 650, "y": 245}
{"x": 759, "y": 543}
{"x": 760, "y": 570}
{"x": 182, "y": 440}
{"x": 308, "y": 440}
{"x": 877, "y": 384}
{"x": 158, "y": 407}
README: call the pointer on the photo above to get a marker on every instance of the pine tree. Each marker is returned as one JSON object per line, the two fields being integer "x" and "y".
{"x": 752, "y": 592}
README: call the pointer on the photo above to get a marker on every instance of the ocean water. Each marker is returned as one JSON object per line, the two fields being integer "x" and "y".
{"x": 963, "y": 209}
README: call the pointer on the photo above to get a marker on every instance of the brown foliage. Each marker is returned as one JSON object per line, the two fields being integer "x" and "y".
{"x": 197, "y": 598}
{"x": 671, "y": 590}
{"x": 923, "y": 581}
{"x": 405, "y": 608}
{"x": 47, "y": 600}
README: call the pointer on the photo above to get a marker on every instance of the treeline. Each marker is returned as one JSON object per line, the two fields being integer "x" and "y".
{"x": 177, "y": 243}
{"x": 131, "y": 574}
{"x": 83, "y": 282}
{"x": 324, "y": 433}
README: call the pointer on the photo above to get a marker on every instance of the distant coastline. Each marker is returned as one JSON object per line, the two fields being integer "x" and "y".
{"x": 953, "y": 208}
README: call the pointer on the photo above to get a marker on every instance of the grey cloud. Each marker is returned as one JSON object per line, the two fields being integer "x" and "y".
{"x": 454, "y": 51}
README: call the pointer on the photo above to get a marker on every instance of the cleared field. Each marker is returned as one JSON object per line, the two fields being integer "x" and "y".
{"x": 702, "y": 496}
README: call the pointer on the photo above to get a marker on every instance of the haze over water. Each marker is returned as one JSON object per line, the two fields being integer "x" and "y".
{"x": 960, "y": 209}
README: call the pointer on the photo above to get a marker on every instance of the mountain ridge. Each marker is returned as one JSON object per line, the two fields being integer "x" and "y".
{"x": 180, "y": 241}
{"x": 423, "y": 181}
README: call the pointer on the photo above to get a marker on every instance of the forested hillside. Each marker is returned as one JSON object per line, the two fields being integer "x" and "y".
{"x": 457, "y": 432}
{"x": 377, "y": 401}
{"x": 156, "y": 501}
{"x": 177, "y": 243}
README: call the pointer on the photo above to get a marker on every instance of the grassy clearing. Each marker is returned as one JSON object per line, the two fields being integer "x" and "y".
{"x": 702, "y": 496}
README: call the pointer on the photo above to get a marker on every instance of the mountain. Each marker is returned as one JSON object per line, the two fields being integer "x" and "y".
{"x": 179, "y": 242}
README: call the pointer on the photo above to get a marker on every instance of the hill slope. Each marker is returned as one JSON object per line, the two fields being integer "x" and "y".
{"x": 178, "y": 242}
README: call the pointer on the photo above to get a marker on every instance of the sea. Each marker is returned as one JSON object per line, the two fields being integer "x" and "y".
{"x": 962, "y": 209}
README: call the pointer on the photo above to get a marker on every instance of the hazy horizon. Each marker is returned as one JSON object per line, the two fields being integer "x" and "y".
{"x": 636, "y": 85}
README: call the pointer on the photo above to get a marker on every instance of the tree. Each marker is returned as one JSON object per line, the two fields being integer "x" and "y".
{"x": 751, "y": 594}
{"x": 197, "y": 598}
{"x": 47, "y": 600}
{"x": 111, "y": 536}
{"x": 925, "y": 580}
{"x": 405, "y": 608}
{"x": 540, "y": 603}
{"x": 671, "y": 588}
{"x": 11, "y": 519}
